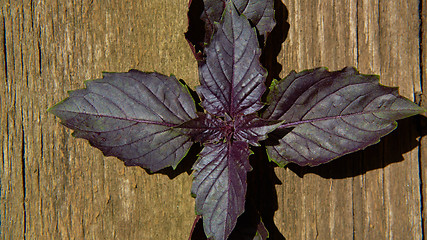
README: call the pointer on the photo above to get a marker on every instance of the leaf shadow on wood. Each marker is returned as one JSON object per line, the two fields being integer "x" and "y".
{"x": 388, "y": 151}
{"x": 195, "y": 34}
{"x": 273, "y": 44}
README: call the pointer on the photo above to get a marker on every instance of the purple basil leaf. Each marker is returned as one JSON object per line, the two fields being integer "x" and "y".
{"x": 131, "y": 116}
{"x": 252, "y": 129}
{"x": 329, "y": 114}
{"x": 220, "y": 186}
{"x": 260, "y": 13}
{"x": 232, "y": 79}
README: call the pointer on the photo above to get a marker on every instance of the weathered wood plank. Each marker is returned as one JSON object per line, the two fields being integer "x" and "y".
{"x": 399, "y": 55}
{"x": 71, "y": 190}
{"x": 382, "y": 203}
{"x": 54, "y": 186}
{"x": 389, "y": 47}
{"x": 13, "y": 214}
{"x": 322, "y": 33}
{"x": 368, "y": 189}
{"x": 423, "y": 100}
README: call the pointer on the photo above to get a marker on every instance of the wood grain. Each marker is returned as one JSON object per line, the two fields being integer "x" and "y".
{"x": 378, "y": 37}
{"x": 54, "y": 186}
{"x": 423, "y": 100}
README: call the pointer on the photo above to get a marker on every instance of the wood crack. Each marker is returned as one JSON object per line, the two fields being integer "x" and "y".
{"x": 5, "y": 48}
{"x": 24, "y": 190}
{"x": 420, "y": 99}
{"x": 420, "y": 42}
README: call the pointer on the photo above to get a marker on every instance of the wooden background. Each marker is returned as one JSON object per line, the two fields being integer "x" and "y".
{"x": 54, "y": 186}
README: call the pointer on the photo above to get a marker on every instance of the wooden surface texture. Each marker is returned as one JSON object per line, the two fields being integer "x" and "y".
{"x": 54, "y": 186}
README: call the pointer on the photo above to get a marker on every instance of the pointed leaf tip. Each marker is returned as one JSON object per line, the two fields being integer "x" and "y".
{"x": 131, "y": 116}
{"x": 330, "y": 114}
{"x": 232, "y": 78}
{"x": 220, "y": 186}
{"x": 259, "y": 13}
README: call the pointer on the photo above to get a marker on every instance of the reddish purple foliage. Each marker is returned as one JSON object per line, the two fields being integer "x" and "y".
{"x": 312, "y": 117}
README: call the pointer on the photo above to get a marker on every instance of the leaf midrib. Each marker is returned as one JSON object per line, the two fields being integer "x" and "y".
{"x": 167, "y": 124}
{"x": 300, "y": 122}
